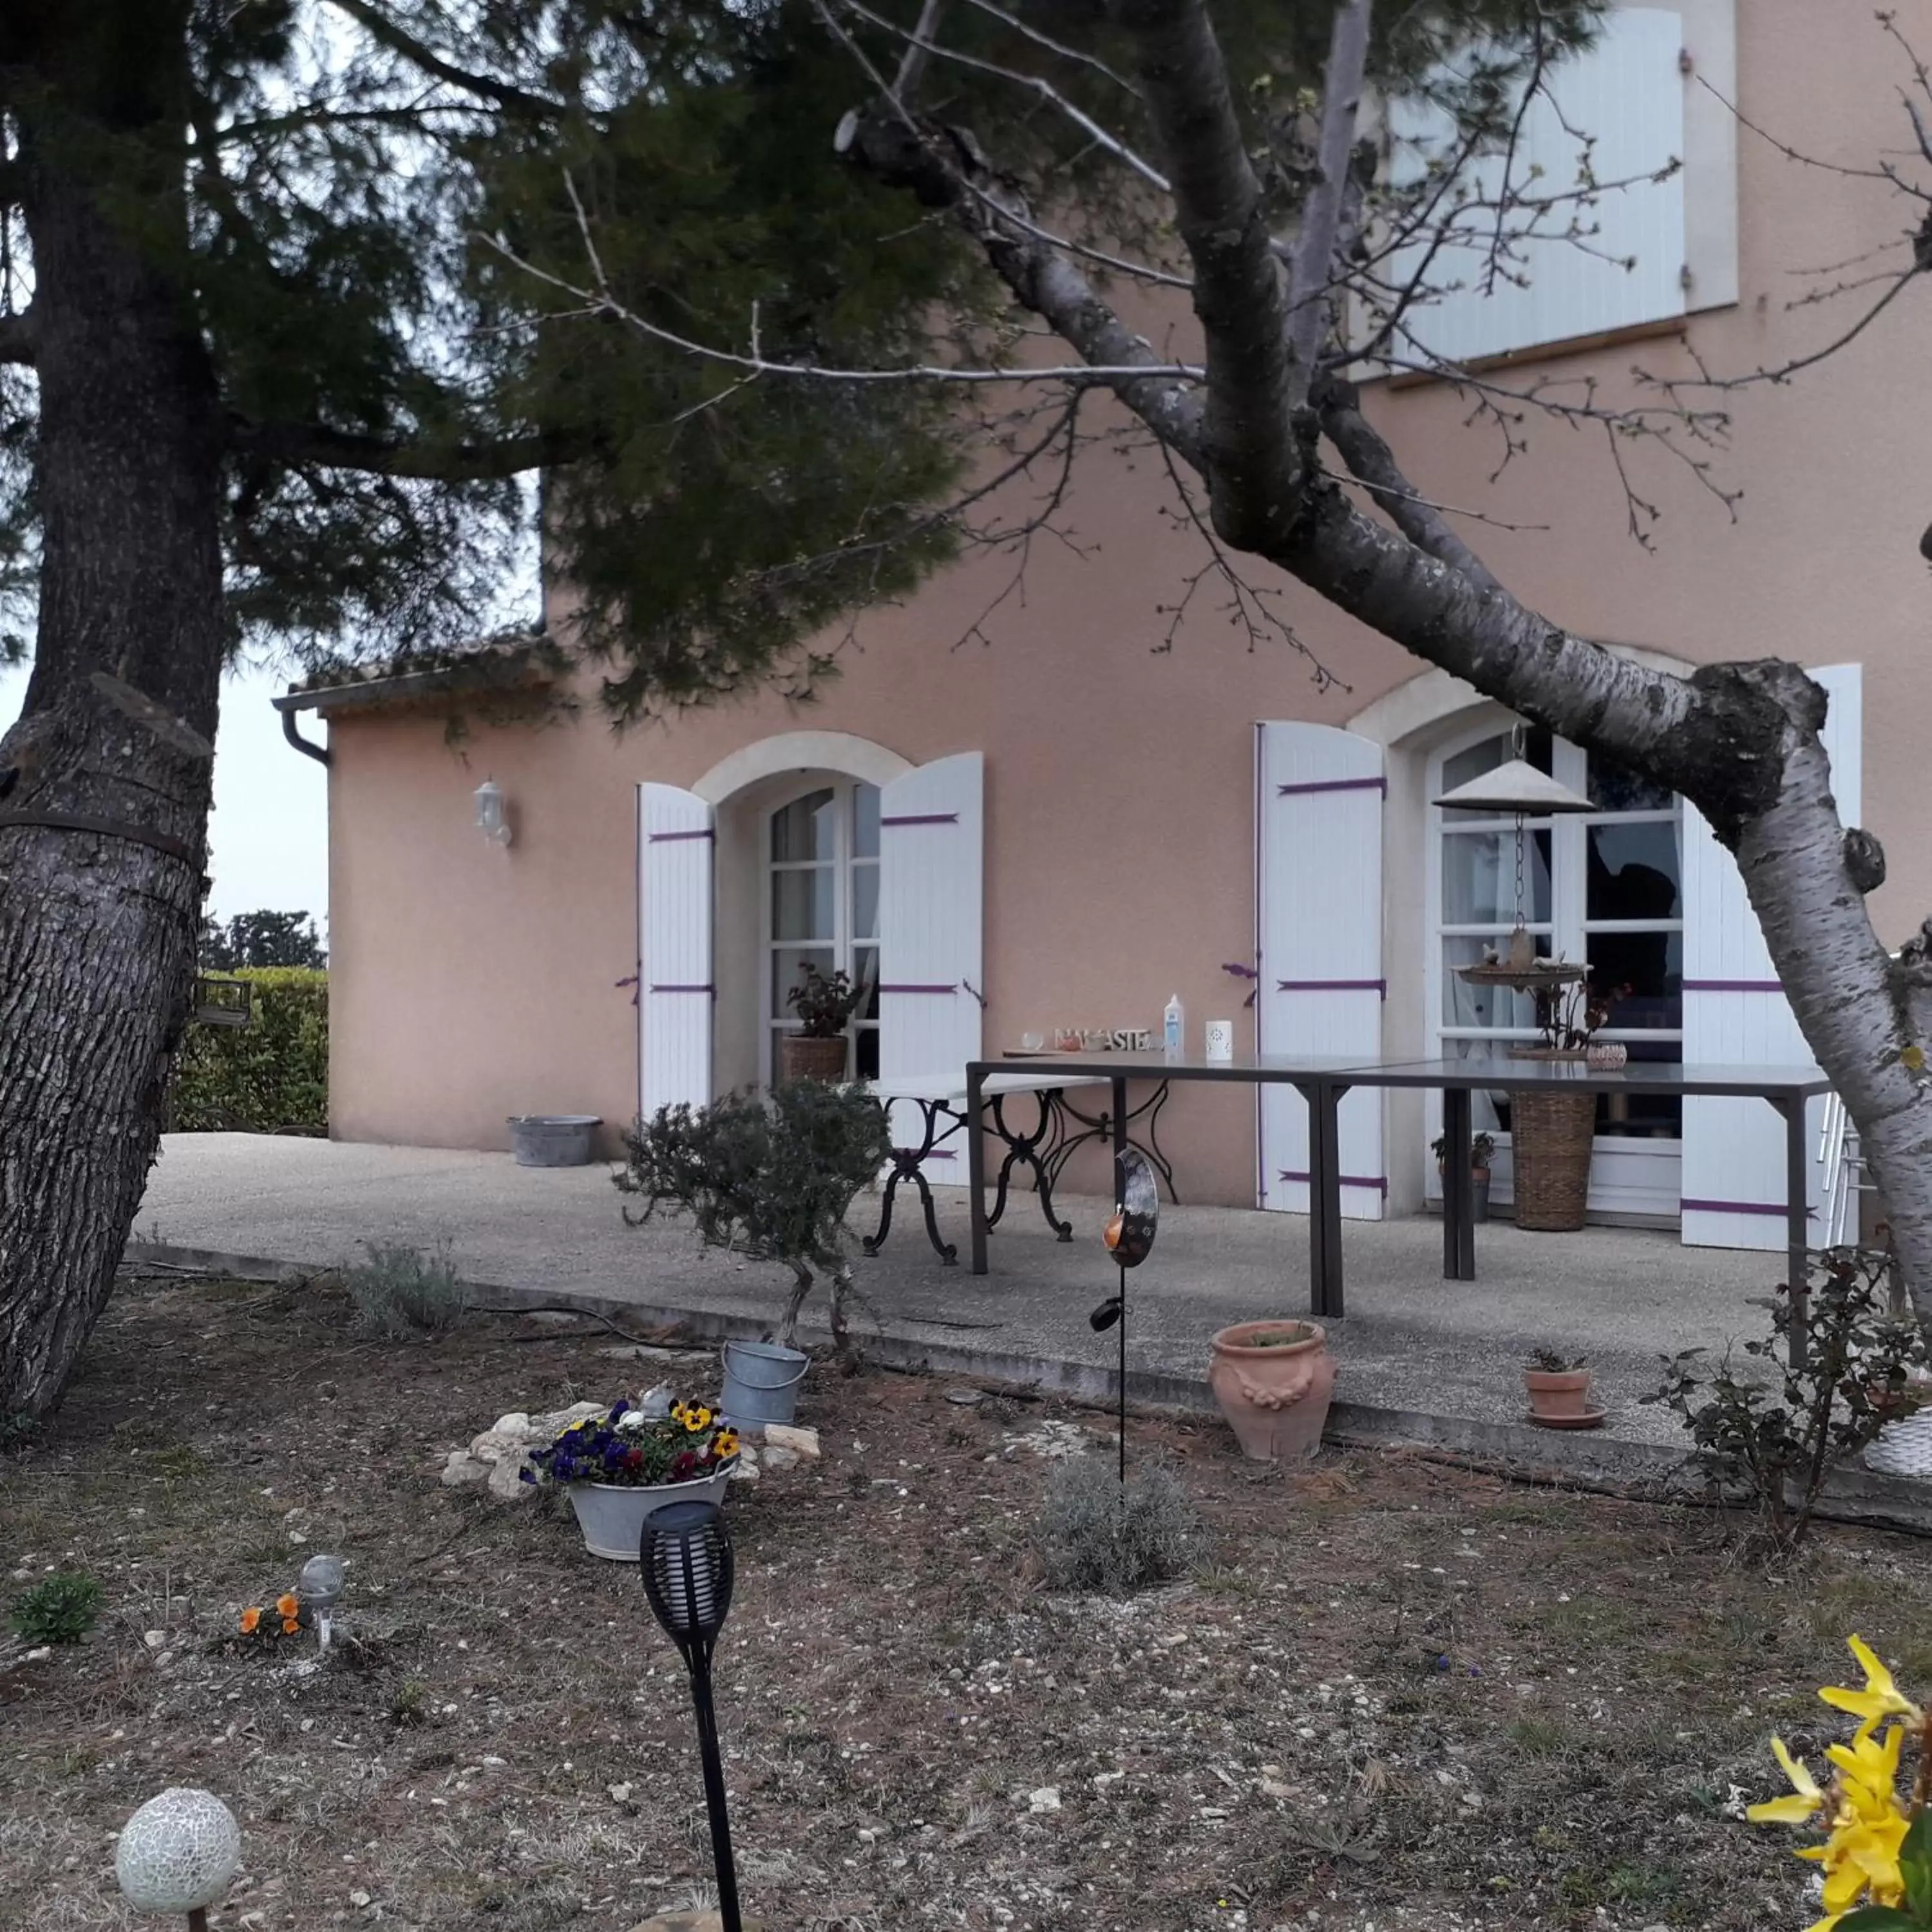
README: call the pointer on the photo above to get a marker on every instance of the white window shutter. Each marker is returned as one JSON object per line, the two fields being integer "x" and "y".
{"x": 1624, "y": 97}
{"x": 676, "y": 992}
{"x": 931, "y": 943}
{"x": 1319, "y": 796}
{"x": 1736, "y": 1014}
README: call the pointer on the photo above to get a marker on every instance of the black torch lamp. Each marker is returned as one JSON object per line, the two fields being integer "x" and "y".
{"x": 1129, "y": 1235}
{"x": 684, "y": 1555}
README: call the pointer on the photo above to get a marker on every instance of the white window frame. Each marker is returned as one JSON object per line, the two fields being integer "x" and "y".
{"x": 1630, "y": 1174}
{"x": 844, "y": 945}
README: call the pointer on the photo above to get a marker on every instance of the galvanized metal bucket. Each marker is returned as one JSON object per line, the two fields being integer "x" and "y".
{"x": 761, "y": 1381}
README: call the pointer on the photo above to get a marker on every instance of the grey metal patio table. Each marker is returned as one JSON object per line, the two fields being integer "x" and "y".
{"x": 1322, "y": 1083}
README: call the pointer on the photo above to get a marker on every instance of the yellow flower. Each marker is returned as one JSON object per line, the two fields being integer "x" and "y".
{"x": 726, "y": 1445}
{"x": 696, "y": 1417}
{"x": 1804, "y": 1799}
{"x": 677, "y": 1411}
{"x": 1880, "y": 1699}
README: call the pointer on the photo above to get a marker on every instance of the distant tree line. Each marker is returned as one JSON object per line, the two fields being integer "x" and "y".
{"x": 261, "y": 939}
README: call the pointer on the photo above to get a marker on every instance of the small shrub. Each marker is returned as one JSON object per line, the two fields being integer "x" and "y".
{"x": 1776, "y": 1437}
{"x": 410, "y": 1705}
{"x": 1549, "y": 1362}
{"x": 399, "y": 1292}
{"x": 1096, "y": 1534}
{"x": 20, "y": 1430}
{"x": 1289, "y": 1335}
{"x": 59, "y": 1609}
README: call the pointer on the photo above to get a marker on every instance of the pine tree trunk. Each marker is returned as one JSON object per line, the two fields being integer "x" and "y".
{"x": 98, "y": 928}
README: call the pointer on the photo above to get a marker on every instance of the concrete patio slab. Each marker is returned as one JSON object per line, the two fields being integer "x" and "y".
{"x": 1412, "y": 1343}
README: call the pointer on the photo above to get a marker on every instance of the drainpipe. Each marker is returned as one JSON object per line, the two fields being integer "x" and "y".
{"x": 319, "y": 753}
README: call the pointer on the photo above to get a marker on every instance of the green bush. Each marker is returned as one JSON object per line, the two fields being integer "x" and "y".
{"x": 399, "y": 1292}
{"x": 59, "y": 1609}
{"x": 271, "y": 1074}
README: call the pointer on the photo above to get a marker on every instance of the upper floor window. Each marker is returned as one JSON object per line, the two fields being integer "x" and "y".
{"x": 1611, "y": 202}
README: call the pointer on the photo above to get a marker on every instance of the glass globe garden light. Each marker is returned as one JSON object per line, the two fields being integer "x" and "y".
{"x": 1129, "y": 1235}
{"x": 319, "y": 1589}
{"x": 684, "y": 1554}
{"x": 492, "y": 813}
{"x": 178, "y": 1853}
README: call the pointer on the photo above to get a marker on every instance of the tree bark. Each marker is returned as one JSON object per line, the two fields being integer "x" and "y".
{"x": 97, "y": 926}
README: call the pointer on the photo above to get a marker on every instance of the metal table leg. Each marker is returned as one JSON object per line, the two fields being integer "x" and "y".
{"x": 1023, "y": 1149}
{"x": 976, "y": 1163}
{"x": 907, "y": 1165}
{"x": 1325, "y": 1197}
{"x": 1458, "y": 1203}
{"x": 1797, "y": 1223}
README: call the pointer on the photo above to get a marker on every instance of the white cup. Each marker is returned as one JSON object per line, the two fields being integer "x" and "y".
{"x": 1032, "y": 1042}
{"x": 1220, "y": 1043}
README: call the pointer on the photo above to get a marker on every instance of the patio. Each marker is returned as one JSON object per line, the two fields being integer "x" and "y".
{"x": 1413, "y": 1345}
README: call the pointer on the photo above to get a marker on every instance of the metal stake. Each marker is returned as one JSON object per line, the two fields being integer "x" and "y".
{"x": 698, "y": 1657}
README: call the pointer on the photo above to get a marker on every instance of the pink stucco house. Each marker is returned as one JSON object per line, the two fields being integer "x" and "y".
{"x": 1047, "y": 820}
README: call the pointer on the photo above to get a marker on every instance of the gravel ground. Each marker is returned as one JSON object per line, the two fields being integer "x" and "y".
{"x": 1398, "y": 1694}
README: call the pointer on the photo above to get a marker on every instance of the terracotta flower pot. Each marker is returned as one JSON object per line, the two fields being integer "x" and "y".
{"x": 1276, "y": 1398}
{"x": 801, "y": 1058}
{"x": 1558, "y": 1397}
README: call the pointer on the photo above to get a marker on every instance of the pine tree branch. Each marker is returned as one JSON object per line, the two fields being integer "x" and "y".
{"x": 385, "y": 33}
{"x": 297, "y": 445}
{"x": 16, "y": 337}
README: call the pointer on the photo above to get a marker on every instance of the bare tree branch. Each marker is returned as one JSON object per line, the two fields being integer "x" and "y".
{"x": 1312, "y": 289}
{"x": 913, "y": 63}
{"x": 381, "y": 29}
{"x": 1057, "y": 47}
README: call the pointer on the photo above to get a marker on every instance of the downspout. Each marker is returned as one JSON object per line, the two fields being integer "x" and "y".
{"x": 319, "y": 753}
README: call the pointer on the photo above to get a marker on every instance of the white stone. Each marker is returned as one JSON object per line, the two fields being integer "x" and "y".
{"x": 153, "y": 1638}
{"x": 358, "y": 1900}
{"x": 548, "y": 1428}
{"x": 493, "y": 1444}
{"x": 516, "y": 1422}
{"x": 803, "y": 1441}
{"x": 743, "y": 1472}
{"x": 463, "y": 1467}
{"x": 778, "y": 1456}
{"x": 620, "y": 1794}
{"x": 1046, "y": 1798}
{"x": 506, "y": 1482}
{"x": 178, "y": 1853}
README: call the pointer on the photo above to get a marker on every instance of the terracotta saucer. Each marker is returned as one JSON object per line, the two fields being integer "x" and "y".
{"x": 1591, "y": 1418}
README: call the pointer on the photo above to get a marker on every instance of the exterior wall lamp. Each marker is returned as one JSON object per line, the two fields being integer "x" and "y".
{"x": 492, "y": 817}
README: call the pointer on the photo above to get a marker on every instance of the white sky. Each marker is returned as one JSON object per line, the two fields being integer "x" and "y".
{"x": 269, "y": 836}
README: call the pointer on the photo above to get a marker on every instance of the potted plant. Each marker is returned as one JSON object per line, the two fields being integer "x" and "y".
{"x": 619, "y": 1468}
{"x": 1482, "y": 1154}
{"x": 1559, "y": 1390}
{"x": 1552, "y": 1134}
{"x": 824, "y": 1004}
{"x": 772, "y": 1176}
{"x": 1274, "y": 1380}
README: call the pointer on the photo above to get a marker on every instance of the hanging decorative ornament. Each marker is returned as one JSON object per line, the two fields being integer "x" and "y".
{"x": 1129, "y": 1235}
{"x": 1517, "y": 789}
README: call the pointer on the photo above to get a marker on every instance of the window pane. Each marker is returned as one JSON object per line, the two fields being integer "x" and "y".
{"x": 788, "y": 965}
{"x": 1477, "y": 759}
{"x": 805, "y": 829}
{"x": 864, "y": 821}
{"x": 1479, "y": 877}
{"x": 866, "y": 973}
{"x": 1613, "y": 788}
{"x": 1464, "y": 1005}
{"x": 802, "y": 903}
{"x": 865, "y": 1047}
{"x": 865, "y": 901}
{"x": 1634, "y": 872}
{"x": 1640, "y": 976}
{"x": 1638, "y": 1116}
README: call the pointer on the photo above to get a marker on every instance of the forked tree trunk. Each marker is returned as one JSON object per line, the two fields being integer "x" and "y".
{"x": 98, "y": 927}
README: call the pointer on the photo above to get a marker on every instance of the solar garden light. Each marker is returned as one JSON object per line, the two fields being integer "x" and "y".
{"x": 1129, "y": 1235}
{"x": 685, "y": 1554}
{"x": 319, "y": 1587}
{"x": 177, "y": 1854}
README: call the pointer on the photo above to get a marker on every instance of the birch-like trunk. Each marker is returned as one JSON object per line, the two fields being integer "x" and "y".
{"x": 98, "y": 929}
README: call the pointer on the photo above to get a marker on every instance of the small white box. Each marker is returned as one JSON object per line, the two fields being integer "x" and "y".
{"x": 1220, "y": 1039}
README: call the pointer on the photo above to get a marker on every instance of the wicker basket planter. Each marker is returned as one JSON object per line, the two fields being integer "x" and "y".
{"x": 1550, "y": 1139}
{"x": 802, "y": 1058}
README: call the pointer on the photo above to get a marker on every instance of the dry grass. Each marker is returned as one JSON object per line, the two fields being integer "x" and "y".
{"x": 1398, "y": 1695}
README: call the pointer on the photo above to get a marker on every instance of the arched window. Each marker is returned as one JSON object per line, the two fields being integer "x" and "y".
{"x": 821, "y": 908}
{"x": 1603, "y": 887}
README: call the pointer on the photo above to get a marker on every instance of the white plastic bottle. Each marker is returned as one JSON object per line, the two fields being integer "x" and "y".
{"x": 1174, "y": 1028}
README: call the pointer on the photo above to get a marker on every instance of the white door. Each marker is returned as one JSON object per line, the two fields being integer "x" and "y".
{"x": 1319, "y": 799}
{"x": 676, "y": 994}
{"x": 931, "y": 944}
{"x": 1736, "y": 1014}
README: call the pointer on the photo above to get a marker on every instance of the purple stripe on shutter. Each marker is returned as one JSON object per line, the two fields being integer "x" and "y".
{"x": 1734, "y": 985}
{"x": 672, "y": 838}
{"x": 1376, "y": 1183}
{"x": 1333, "y": 986}
{"x": 923, "y": 818}
{"x": 918, "y": 989}
{"x": 683, "y": 989}
{"x": 1690, "y": 1207}
{"x": 1333, "y": 785}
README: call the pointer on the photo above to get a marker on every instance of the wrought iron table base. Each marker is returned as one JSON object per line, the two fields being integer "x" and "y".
{"x": 1100, "y": 1127}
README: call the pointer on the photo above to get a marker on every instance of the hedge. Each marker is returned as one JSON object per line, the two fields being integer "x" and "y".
{"x": 272, "y": 1073}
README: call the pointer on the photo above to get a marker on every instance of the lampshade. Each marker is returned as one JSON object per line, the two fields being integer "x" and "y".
{"x": 1512, "y": 788}
{"x": 684, "y": 1553}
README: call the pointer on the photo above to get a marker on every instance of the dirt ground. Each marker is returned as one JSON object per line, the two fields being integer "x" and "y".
{"x": 1401, "y": 1695}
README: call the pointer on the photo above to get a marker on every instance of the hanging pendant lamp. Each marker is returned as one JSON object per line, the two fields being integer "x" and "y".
{"x": 1516, "y": 789}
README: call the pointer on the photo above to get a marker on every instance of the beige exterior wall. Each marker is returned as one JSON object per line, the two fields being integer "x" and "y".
{"x": 472, "y": 981}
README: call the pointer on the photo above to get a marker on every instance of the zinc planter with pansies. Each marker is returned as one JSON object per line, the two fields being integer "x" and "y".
{"x": 621, "y": 1468}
